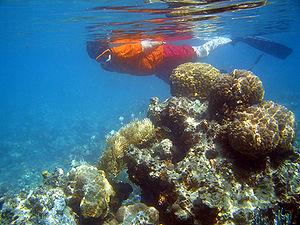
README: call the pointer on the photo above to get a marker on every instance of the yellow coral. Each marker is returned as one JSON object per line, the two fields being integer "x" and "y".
{"x": 135, "y": 133}
{"x": 261, "y": 129}
{"x": 193, "y": 80}
{"x": 239, "y": 89}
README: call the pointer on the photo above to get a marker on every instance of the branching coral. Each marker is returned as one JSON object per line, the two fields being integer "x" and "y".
{"x": 134, "y": 133}
{"x": 259, "y": 130}
{"x": 193, "y": 80}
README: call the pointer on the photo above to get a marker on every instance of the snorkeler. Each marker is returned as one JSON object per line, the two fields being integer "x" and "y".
{"x": 148, "y": 57}
{"x": 142, "y": 57}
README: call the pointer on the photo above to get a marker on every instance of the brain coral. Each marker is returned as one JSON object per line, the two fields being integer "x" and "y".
{"x": 88, "y": 187}
{"x": 261, "y": 129}
{"x": 193, "y": 80}
{"x": 134, "y": 133}
{"x": 240, "y": 88}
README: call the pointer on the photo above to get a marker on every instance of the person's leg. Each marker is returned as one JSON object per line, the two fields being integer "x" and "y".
{"x": 205, "y": 49}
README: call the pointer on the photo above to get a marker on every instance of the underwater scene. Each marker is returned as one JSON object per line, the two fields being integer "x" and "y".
{"x": 158, "y": 112}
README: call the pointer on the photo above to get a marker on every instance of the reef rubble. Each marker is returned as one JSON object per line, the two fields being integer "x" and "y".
{"x": 215, "y": 152}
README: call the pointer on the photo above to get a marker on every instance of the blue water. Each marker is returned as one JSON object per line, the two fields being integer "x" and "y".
{"x": 57, "y": 104}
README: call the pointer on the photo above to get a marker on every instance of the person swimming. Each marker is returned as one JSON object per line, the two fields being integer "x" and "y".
{"x": 141, "y": 57}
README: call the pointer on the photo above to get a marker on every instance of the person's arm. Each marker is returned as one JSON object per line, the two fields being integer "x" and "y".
{"x": 205, "y": 49}
{"x": 150, "y": 44}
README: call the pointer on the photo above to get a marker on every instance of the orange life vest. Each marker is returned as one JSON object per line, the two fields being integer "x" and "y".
{"x": 130, "y": 58}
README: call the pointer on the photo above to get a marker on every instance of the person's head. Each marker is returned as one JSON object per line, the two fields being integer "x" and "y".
{"x": 95, "y": 48}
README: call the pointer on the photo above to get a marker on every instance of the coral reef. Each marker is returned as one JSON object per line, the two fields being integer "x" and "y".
{"x": 40, "y": 206}
{"x": 239, "y": 89}
{"x": 208, "y": 183}
{"x": 83, "y": 191}
{"x": 171, "y": 120}
{"x": 261, "y": 129}
{"x": 193, "y": 176}
{"x": 194, "y": 80}
{"x": 216, "y": 153}
{"x": 134, "y": 133}
{"x": 225, "y": 93}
